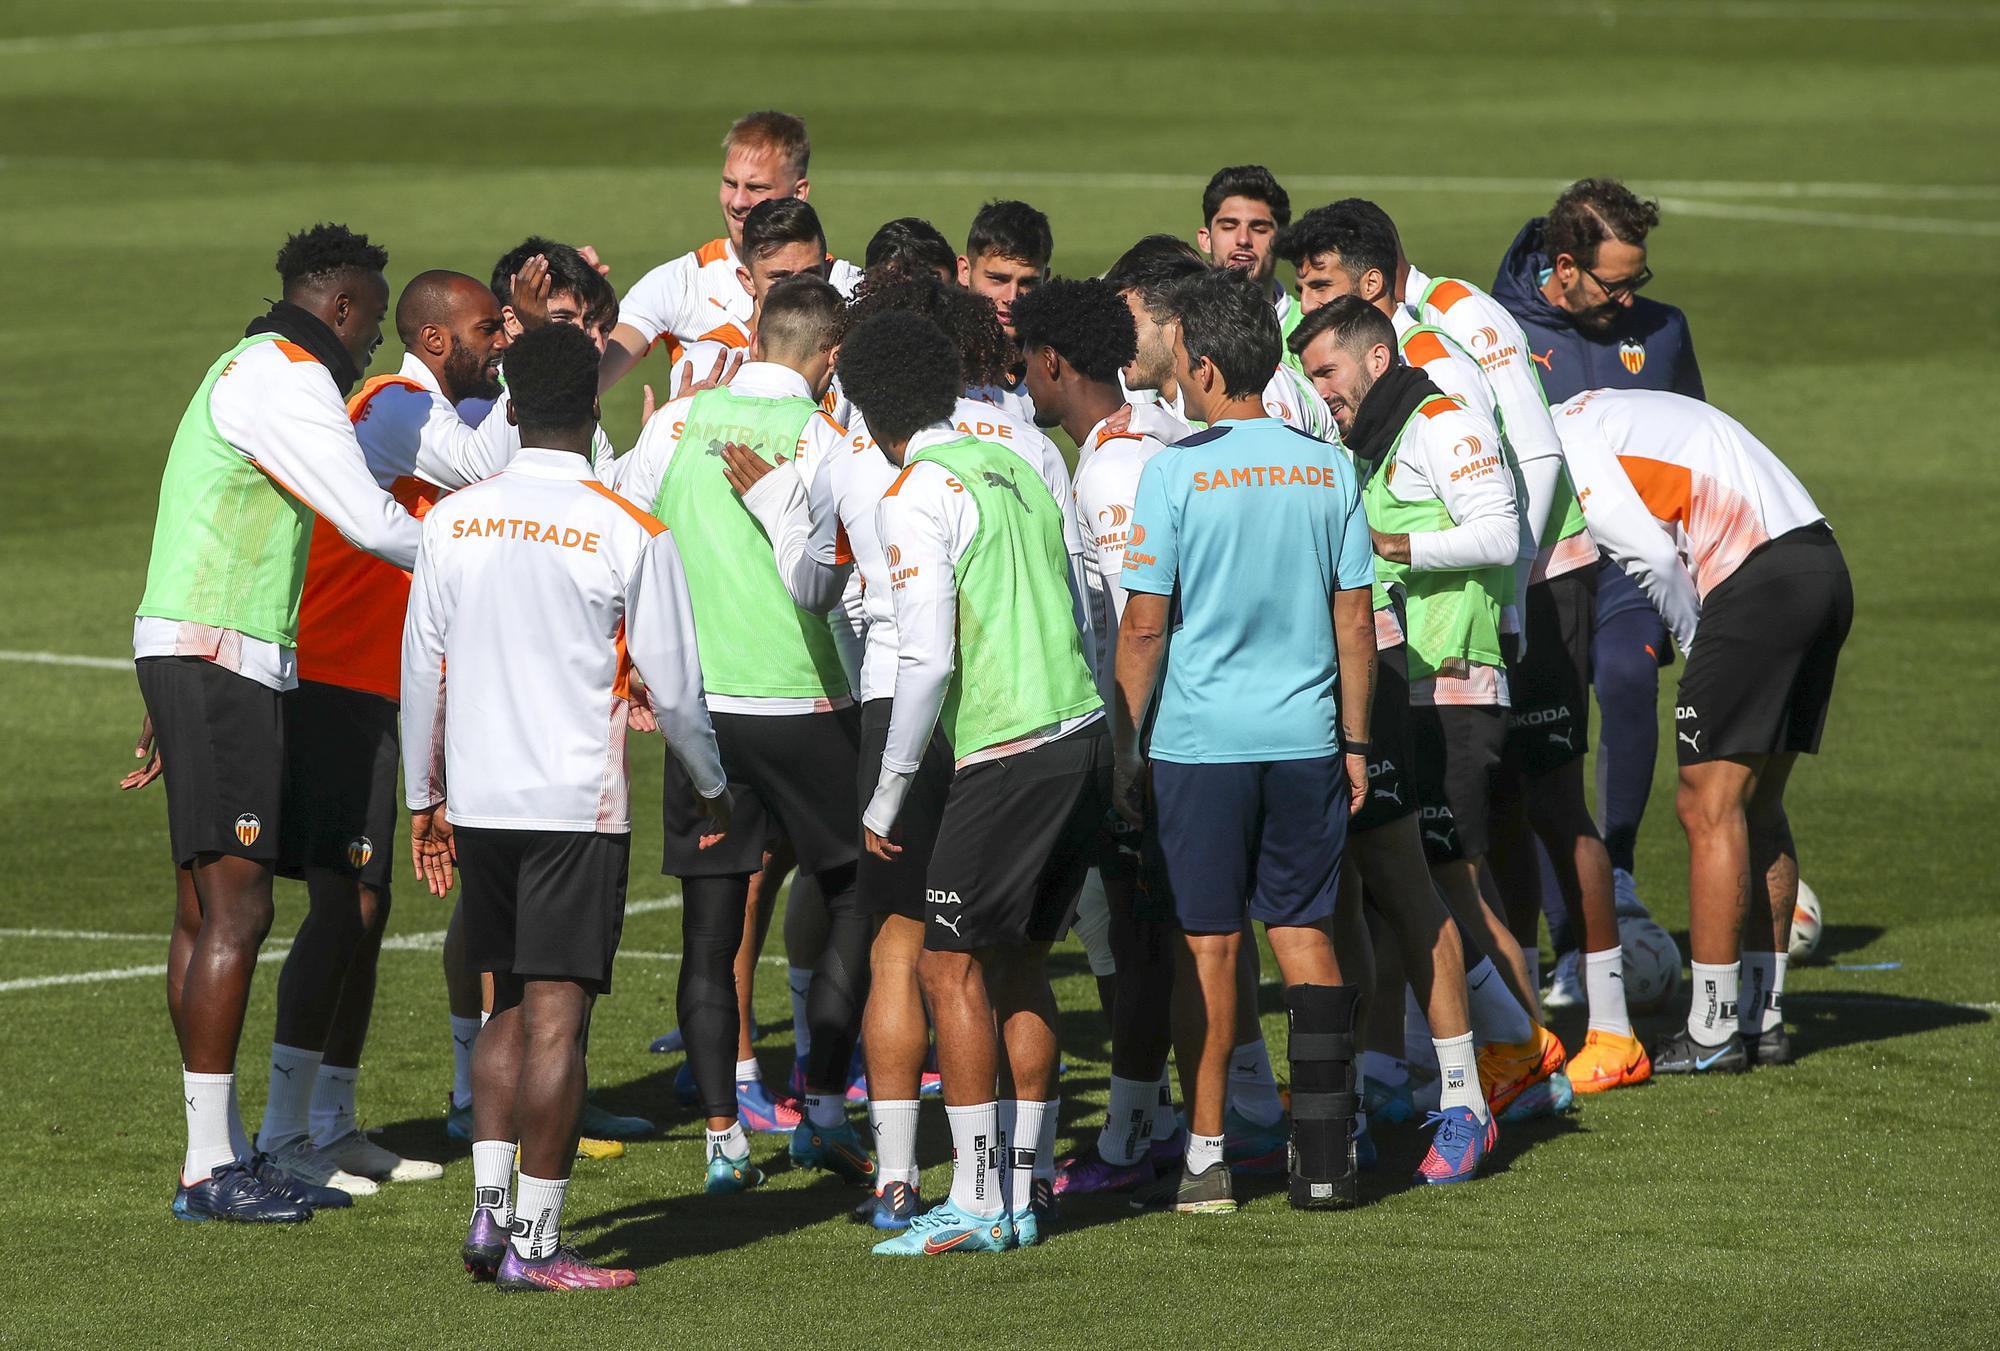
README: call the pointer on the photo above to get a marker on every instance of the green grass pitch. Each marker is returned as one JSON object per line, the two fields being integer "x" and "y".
{"x": 1832, "y": 212}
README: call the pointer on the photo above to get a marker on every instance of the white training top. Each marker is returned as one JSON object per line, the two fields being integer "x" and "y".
{"x": 1677, "y": 492}
{"x": 1107, "y": 485}
{"x": 283, "y": 413}
{"x": 1288, "y": 397}
{"x": 531, "y": 592}
{"x": 698, "y": 297}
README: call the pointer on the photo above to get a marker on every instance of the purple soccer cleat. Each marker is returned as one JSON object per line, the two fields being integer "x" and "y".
{"x": 485, "y": 1245}
{"x": 1090, "y": 1173}
{"x": 560, "y": 1270}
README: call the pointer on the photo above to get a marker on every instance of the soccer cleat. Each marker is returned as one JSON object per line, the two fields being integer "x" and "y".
{"x": 727, "y": 1175}
{"x": 1625, "y": 896}
{"x": 1545, "y": 1097}
{"x": 1457, "y": 1148}
{"x": 1507, "y": 1069}
{"x": 290, "y": 1185}
{"x": 1252, "y": 1149}
{"x": 457, "y": 1121}
{"x": 1566, "y": 985}
{"x": 1090, "y": 1173}
{"x": 560, "y": 1270}
{"x": 1185, "y": 1193}
{"x": 1608, "y": 1060}
{"x": 1682, "y": 1054}
{"x": 931, "y": 1085}
{"x": 945, "y": 1228}
{"x": 834, "y": 1149}
{"x": 1391, "y": 1104}
{"x": 355, "y": 1153}
{"x": 302, "y": 1160}
{"x": 588, "y": 1147}
{"x": 1772, "y": 1046}
{"x": 237, "y": 1194}
{"x": 763, "y": 1113}
{"x": 600, "y": 1124}
{"x": 1041, "y": 1211}
{"x": 685, "y": 1088}
{"x": 891, "y": 1207}
{"x": 485, "y": 1245}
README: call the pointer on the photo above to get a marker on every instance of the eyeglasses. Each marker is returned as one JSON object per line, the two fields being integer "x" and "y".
{"x": 1613, "y": 290}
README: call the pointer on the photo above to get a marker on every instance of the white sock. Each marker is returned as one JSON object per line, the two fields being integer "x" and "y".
{"x": 1383, "y": 1069}
{"x": 826, "y": 1110}
{"x": 537, "y": 1225}
{"x": 239, "y": 1138}
{"x": 493, "y": 1178}
{"x": 1416, "y": 1032}
{"x": 1128, "y": 1125}
{"x": 464, "y": 1031}
{"x": 1604, "y": 983}
{"x": 1045, "y": 1141}
{"x": 1253, "y": 1089}
{"x": 292, "y": 1073}
{"x": 1165, "y": 1123}
{"x": 800, "y": 978}
{"x": 1458, "y": 1076}
{"x": 1020, "y": 1134}
{"x": 1496, "y": 1014}
{"x": 895, "y": 1126}
{"x": 1712, "y": 1016}
{"x": 748, "y": 1071}
{"x": 207, "y": 1099}
{"x": 731, "y": 1144}
{"x": 975, "y": 1159}
{"x": 1203, "y": 1152}
{"x": 1763, "y": 1003}
{"x": 333, "y": 1103}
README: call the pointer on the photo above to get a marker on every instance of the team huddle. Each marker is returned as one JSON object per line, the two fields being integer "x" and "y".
{"x": 1305, "y": 634}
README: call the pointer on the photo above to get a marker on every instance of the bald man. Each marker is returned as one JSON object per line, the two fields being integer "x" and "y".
{"x": 339, "y": 817}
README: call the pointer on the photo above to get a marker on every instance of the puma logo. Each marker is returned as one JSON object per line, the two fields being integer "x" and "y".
{"x": 996, "y": 480}
{"x": 462, "y": 1041}
{"x": 1563, "y": 739}
{"x": 1394, "y": 795}
{"x": 285, "y": 1070}
{"x": 190, "y": 1101}
{"x": 1546, "y": 360}
{"x": 1443, "y": 840}
{"x": 1693, "y": 740}
{"x": 951, "y": 924}
{"x": 715, "y": 449}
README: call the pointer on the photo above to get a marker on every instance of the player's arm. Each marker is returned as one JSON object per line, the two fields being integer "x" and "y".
{"x": 1517, "y": 393}
{"x": 917, "y": 523}
{"x": 1354, "y": 642}
{"x": 1625, "y": 529}
{"x": 660, "y": 639}
{"x": 425, "y": 622}
{"x": 453, "y": 453}
{"x": 1149, "y": 579}
{"x": 1478, "y": 495}
{"x": 793, "y": 501}
{"x": 658, "y": 303}
{"x": 291, "y": 424}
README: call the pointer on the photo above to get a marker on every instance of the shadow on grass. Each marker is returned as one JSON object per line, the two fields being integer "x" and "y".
{"x": 1826, "y": 1019}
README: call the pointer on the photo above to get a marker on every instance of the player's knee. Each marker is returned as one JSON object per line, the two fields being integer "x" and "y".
{"x": 374, "y": 913}
{"x": 1627, "y": 676}
{"x": 1704, "y": 806}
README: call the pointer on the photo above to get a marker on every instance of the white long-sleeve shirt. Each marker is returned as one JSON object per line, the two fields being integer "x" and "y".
{"x": 279, "y": 409}
{"x": 1288, "y": 397}
{"x": 1678, "y": 492}
{"x": 928, "y": 523}
{"x": 532, "y": 590}
{"x": 499, "y": 438}
{"x": 698, "y": 297}
{"x": 1107, "y": 485}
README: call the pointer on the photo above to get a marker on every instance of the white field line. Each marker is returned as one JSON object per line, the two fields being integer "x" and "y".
{"x": 1851, "y": 220}
{"x": 67, "y": 659}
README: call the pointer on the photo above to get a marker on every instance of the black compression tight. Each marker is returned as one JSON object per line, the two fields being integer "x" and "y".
{"x": 711, "y": 930}
{"x": 840, "y": 980}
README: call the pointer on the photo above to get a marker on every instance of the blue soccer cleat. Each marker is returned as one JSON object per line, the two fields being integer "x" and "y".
{"x": 1457, "y": 1148}
{"x": 601, "y": 1124}
{"x": 1041, "y": 1211}
{"x": 1364, "y": 1144}
{"x": 1548, "y": 1097}
{"x": 834, "y": 1149}
{"x": 234, "y": 1192}
{"x": 727, "y": 1175}
{"x": 891, "y": 1207}
{"x": 945, "y": 1228}
{"x": 1254, "y": 1150}
{"x": 296, "y": 1189}
{"x": 1391, "y": 1104}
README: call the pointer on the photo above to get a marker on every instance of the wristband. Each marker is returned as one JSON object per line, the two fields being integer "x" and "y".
{"x": 1357, "y": 747}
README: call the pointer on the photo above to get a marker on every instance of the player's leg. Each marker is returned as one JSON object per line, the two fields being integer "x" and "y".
{"x": 712, "y": 923}
{"x": 1627, "y": 649}
{"x": 1024, "y": 1009}
{"x": 1767, "y": 920}
{"x": 806, "y": 925}
{"x": 1712, "y": 803}
{"x": 465, "y": 1008}
{"x": 489, "y": 864}
{"x": 1254, "y": 1124}
{"x": 835, "y": 1003}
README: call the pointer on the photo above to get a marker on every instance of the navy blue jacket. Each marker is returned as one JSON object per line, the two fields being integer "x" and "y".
{"x": 1648, "y": 348}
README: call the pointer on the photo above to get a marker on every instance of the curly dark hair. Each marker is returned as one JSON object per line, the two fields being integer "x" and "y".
{"x": 1357, "y": 232}
{"x": 1246, "y": 180}
{"x": 552, "y": 379}
{"x": 1086, "y": 322}
{"x": 1592, "y": 210}
{"x": 1153, "y": 268}
{"x": 324, "y": 250}
{"x": 899, "y": 369}
{"x": 910, "y": 244}
{"x": 970, "y": 321}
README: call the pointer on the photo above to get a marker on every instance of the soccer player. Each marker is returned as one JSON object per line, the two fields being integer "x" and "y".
{"x": 781, "y": 237}
{"x": 1353, "y": 248}
{"x": 1250, "y": 785}
{"x": 340, "y": 732}
{"x": 264, "y": 448}
{"x": 699, "y": 295}
{"x": 1077, "y": 336}
{"x": 1727, "y": 544}
{"x": 764, "y": 566}
{"x": 1243, "y": 208}
{"x": 988, "y": 650}
{"x": 911, "y": 244}
{"x": 1007, "y": 254}
{"x": 532, "y": 591}
{"x": 1573, "y": 279}
{"x": 1446, "y": 532}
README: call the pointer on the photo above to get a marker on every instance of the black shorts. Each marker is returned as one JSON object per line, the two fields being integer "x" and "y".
{"x": 1457, "y": 758}
{"x": 791, "y": 776}
{"x": 1759, "y": 678}
{"x": 221, "y": 739}
{"x": 1391, "y": 793}
{"x": 1017, "y": 837}
{"x": 896, "y": 887}
{"x": 340, "y": 784}
{"x": 543, "y": 904}
{"x": 1258, "y": 840}
{"x": 1549, "y": 687}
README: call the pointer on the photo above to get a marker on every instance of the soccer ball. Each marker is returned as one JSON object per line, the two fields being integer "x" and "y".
{"x": 1652, "y": 964}
{"x": 1806, "y": 924}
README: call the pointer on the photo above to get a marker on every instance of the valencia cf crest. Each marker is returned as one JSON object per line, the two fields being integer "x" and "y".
{"x": 1633, "y": 355}
{"x": 248, "y": 828}
{"x": 359, "y": 850}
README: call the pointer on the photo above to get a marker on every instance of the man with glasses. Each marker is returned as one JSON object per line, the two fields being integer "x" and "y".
{"x": 1573, "y": 279}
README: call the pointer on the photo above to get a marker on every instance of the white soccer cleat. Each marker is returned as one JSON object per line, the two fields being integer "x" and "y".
{"x": 302, "y": 1161}
{"x": 356, "y": 1154}
{"x": 1566, "y": 985}
{"x": 1625, "y": 896}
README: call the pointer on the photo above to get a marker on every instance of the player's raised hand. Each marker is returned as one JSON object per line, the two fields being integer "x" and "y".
{"x": 589, "y": 255}
{"x": 529, "y": 292}
{"x": 648, "y": 406}
{"x": 721, "y": 373}
{"x": 146, "y": 749}
{"x": 432, "y": 848}
{"x": 745, "y": 467}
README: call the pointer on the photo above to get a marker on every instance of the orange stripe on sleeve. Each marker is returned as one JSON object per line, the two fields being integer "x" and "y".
{"x": 1439, "y": 406}
{"x": 1448, "y": 293}
{"x": 295, "y": 352}
{"x": 1423, "y": 349}
{"x": 357, "y": 406}
{"x": 654, "y": 526}
{"x": 1666, "y": 489}
{"x": 897, "y": 486}
{"x": 714, "y": 251}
